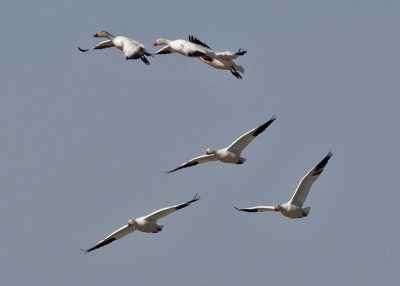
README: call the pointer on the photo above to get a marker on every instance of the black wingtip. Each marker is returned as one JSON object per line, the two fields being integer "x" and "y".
{"x": 85, "y": 250}
{"x": 241, "y": 52}
{"x": 262, "y": 128}
{"x": 321, "y": 165}
{"x": 83, "y": 50}
{"x": 196, "y": 197}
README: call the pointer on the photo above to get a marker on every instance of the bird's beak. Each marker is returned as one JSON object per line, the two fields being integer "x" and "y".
{"x": 96, "y": 35}
{"x": 155, "y": 43}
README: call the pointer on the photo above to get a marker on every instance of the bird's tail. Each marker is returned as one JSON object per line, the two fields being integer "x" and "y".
{"x": 306, "y": 211}
{"x": 239, "y": 68}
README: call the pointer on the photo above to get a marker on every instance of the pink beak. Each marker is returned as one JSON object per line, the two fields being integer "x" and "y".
{"x": 155, "y": 44}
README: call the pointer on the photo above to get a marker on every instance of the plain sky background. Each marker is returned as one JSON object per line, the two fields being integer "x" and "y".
{"x": 86, "y": 138}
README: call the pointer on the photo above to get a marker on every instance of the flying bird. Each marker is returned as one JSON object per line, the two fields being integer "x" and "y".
{"x": 230, "y": 154}
{"x": 132, "y": 49}
{"x": 222, "y": 60}
{"x": 294, "y": 207}
{"x": 185, "y": 48}
{"x": 145, "y": 224}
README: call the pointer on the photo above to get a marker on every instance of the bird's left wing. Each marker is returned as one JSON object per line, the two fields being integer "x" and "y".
{"x": 256, "y": 209}
{"x": 121, "y": 232}
{"x": 154, "y": 216}
{"x": 304, "y": 186}
{"x": 101, "y": 45}
{"x": 196, "y": 41}
{"x": 239, "y": 144}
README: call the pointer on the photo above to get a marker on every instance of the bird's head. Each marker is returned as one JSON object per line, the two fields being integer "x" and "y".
{"x": 210, "y": 151}
{"x": 130, "y": 222}
{"x": 277, "y": 207}
{"x": 160, "y": 41}
{"x": 100, "y": 34}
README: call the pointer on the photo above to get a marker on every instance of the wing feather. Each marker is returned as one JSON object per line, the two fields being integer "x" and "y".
{"x": 228, "y": 55}
{"x": 194, "y": 40}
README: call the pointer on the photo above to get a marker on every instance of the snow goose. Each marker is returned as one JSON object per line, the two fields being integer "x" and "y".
{"x": 183, "y": 47}
{"x": 294, "y": 207}
{"x": 222, "y": 60}
{"x": 145, "y": 224}
{"x": 230, "y": 154}
{"x": 131, "y": 48}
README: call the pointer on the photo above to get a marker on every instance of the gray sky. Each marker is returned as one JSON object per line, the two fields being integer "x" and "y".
{"x": 85, "y": 139}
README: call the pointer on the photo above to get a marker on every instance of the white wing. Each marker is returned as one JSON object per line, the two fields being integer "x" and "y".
{"x": 304, "y": 186}
{"x": 165, "y": 50}
{"x": 256, "y": 209}
{"x": 239, "y": 144}
{"x": 195, "y": 161}
{"x": 121, "y": 232}
{"x": 154, "y": 216}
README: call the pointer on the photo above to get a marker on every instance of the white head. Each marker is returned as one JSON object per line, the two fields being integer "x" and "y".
{"x": 160, "y": 41}
{"x": 277, "y": 208}
{"x": 100, "y": 34}
{"x": 131, "y": 222}
{"x": 210, "y": 151}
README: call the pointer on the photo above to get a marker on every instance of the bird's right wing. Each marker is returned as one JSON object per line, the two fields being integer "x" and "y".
{"x": 256, "y": 209}
{"x": 164, "y": 50}
{"x": 126, "y": 229}
{"x": 239, "y": 144}
{"x": 195, "y": 161}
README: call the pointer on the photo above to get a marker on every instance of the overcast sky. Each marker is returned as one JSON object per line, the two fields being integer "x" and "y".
{"x": 86, "y": 138}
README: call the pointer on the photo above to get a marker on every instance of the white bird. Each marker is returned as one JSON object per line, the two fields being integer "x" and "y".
{"x": 145, "y": 224}
{"x": 131, "y": 48}
{"x": 230, "y": 154}
{"x": 183, "y": 47}
{"x": 222, "y": 60}
{"x": 294, "y": 207}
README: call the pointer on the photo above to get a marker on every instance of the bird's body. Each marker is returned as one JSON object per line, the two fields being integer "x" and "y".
{"x": 144, "y": 224}
{"x": 196, "y": 48}
{"x": 183, "y": 47}
{"x": 131, "y": 48}
{"x": 294, "y": 207}
{"x": 227, "y": 156}
{"x": 230, "y": 154}
{"x": 224, "y": 61}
